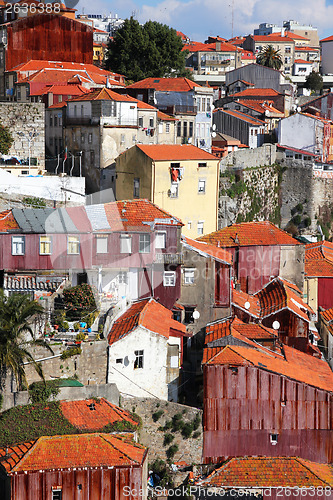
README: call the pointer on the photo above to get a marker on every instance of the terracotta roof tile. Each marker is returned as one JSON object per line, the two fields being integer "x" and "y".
{"x": 239, "y": 299}
{"x": 250, "y": 234}
{"x": 11, "y": 455}
{"x": 295, "y": 364}
{"x": 328, "y": 39}
{"x": 165, "y": 117}
{"x": 165, "y": 84}
{"x": 302, "y": 61}
{"x": 319, "y": 259}
{"x": 150, "y": 315}
{"x": 104, "y": 94}
{"x": 327, "y": 315}
{"x": 209, "y": 47}
{"x": 273, "y": 37}
{"x": 217, "y": 253}
{"x": 267, "y": 472}
{"x": 260, "y": 106}
{"x": 257, "y": 92}
{"x": 170, "y": 152}
{"x": 81, "y": 416}
{"x": 7, "y": 221}
{"x": 81, "y": 450}
{"x": 130, "y": 214}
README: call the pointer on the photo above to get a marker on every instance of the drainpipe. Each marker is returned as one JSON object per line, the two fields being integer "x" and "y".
{"x": 152, "y": 196}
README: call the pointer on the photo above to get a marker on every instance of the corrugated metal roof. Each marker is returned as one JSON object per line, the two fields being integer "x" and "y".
{"x": 97, "y": 216}
{"x": 44, "y": 220}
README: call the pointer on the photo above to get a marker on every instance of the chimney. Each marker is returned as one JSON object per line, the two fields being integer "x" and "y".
{"x": 218, "y": 46}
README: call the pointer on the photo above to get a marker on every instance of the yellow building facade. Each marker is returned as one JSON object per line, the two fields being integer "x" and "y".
{"x": 181, "y": 179}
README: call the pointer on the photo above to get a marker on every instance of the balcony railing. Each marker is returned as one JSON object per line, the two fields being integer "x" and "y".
{"x": 178, "y": 109}
{"x": 169, "y": 258}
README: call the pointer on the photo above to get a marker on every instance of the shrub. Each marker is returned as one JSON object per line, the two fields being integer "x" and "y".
{"x": 196, "y": 422}
{"x": 41, "y": 392}
{"x": 307, "y": 222}
{"x": 163, "y": 471}
{"x": 299, "y": 207}
{"x": 156, "y": 415}
{"x": 168, "y": 438}
{"x": 187, "y": 430}
{"x": 170, "y": 453}
{"x": 79, "y": 301}
{"x": 80, "y": 336}
{"x": 196, "y": 434}
{"x": 34, "y": 202}
{"x": 76, "y": 327}
{"x": 73, "y": 351}
{"x": 297, "y": 220}
{"x": 1, "y": 400}
{"x": 177, "y": 422}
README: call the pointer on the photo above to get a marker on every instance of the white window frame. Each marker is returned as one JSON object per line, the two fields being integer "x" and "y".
{"x": 189, "y": 276}
{"x": 200, "y": 227}
{"x": 158, "y": 243}
{"x": 139, "y": 359}
{"x": 73, "y": 245}
{"x": 46, "y": 243}
{"x": 122, "y": 278}
{"x": 144, "y": 243}
{"x": 125, "y": 243}
{"x": 169, "y": 278}
{"x": 167, "y": 128}
{"x": 202, "y": 186}
{"x": 136, "y": 187}
{"x": 20, "y": 242}
{"x": 101, "y": 248}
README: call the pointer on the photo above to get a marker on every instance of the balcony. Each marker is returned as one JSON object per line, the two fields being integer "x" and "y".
{"x": 168, "y": 258}
{"x": 178, "y": 109}
{"x": 82, "y": 120}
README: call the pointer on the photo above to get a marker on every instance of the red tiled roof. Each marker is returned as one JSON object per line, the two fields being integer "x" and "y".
{"x": 71, "y": 89}
{"x": 14, "y": 454}
{"x": 267, "y": 472}
{"x": 77, "y": 450}
{"x": 260, "y": 106}
{"x": 327, "y": 315}
{"x": 319, "y": 259}
{"x": 104, "y": 94}
{"x": 302, "y": 61}
{"x": 254, "y": 331}
{"x": 170, "y": 152}
{"x": 217, "y": 253}
{"x": 257, "y": 92}
{"x": 289, "y": 34}
{"x": 239, "y": 299}
{"x": 130, "y": 214}
{"x": 209, "y": 47}
{"x": 245, "y": 332}
{"x": 7, "y": 221}
{"x": 249, "y": 234}
{"x": 81, "y": 416}
{"x": 165, "y": 117}
{"x": 328, "y": 39}
{"x": 165, "y": 84}
{"x": 150, "y": 315}
{"x": 302, "y": 151}
{"x": 242, "y": 116}
{"x": 247, "y": 54}
{"x": 62, "y": 104}
{"x": 273, "y": 37}
{"x": 295, "y": 364}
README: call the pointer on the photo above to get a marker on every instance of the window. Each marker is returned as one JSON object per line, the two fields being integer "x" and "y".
{"x": 144, "y": 243}
{"x": 185, "y": 129}
{"x": 51, "y": 120}
{"x": 18, "y": 245}
{"x": 55, "y": 120}
{"x": 101, "y": 244}
{"x": 179, "y": 129}
{"x": 202, "y": 186}
{"x": 274, "y": 438}
{"x": 119, "y": 361}
{"x": 190, "y": 132}
{"x": 141, "y": 121}
{"x": 45, "y": 245}
{"x": 199, "y": 104}
{"x": 189, "y": 315}
{"x": 75, "y": 110}
{"x": 200, "y": 227}
{"x": 18, "y": 93}
{"x": 73, "y": 245}
{"x": 188, "y": 276}
{"x": 203, "y": 107}
{"x": 82, "y": 110}
{"x": 83, "y": 136}
{"x": 136, "y": 188}
{"x": 60, "y": 100}
{"x": 189, "y": 224}
{"x": 169, "y": 278}
{"x": 202, "y": 165}
{"x": 160, "y": 239}
{"x": 151, "y": 122}
{"x": 287, "y": 50}
{"x": 56, "y": 495}
{"x": 122, "y": 139}
{"x": 174, "y": 191}
{"x": 92, "y": 156}
{"x": 125, "y": 244}
{"x": 167, "y": 128}
{"x": 90, "y": 138}
{"x": 208, "y": 105}
{"x": 138, "y": 363}
{"x": 122, "y": 278}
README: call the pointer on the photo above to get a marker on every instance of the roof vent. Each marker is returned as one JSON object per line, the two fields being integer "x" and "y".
{"x": 92, "y": 407}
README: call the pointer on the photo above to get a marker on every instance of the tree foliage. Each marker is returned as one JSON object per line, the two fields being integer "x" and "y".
{"x": 6, "y": 140}
{"x": 314, "y": 81}
{"x": 151, "y": 50}
{"x": 270, "y": 57}
{"x": 16, "y": 313}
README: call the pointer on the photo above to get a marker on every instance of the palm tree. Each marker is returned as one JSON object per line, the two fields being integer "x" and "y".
{"x": 270, "y": 57}
{"x": 16, "y": 313}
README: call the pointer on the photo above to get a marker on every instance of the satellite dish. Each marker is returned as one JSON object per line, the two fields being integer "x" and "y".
{"x": 276, "y": 325}
{"x": 196, "y": 315}
{"x": 213, "y": 134}
{"x": 131, "y": 357}
{"x": 266, "y": 112}
{"x": 214, "y": 126}
{"x": 298, "y": 109}
{"x": 212, "y": 107}
{"x": 247, "y": 305}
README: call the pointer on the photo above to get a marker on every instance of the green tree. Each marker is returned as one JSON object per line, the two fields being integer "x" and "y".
{"x": 6, "y": 140}
{"x": 314, "y": 82}
{"x": 16, "y": 335}
{"x": 270, "y": 57}
{"x": 151, "y": 50}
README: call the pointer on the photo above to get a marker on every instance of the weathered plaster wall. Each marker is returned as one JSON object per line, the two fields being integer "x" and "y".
{"x": 249, "y": 158}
